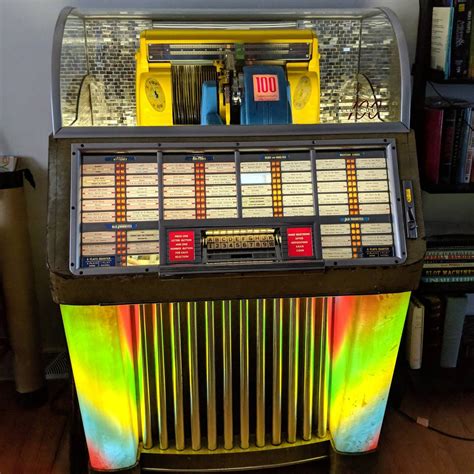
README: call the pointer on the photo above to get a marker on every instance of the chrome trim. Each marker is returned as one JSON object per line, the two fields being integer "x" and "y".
{"x": 55, "y": 99}
{"x": 323, "y": 379}
{"x": 308, "y": 382}
{"x": 293, "y": 358}
{"x": 244, "y": 374}
{"x": 160, "y": 375}
{"x": 277, "y": 369}
{"x": 145, "y": 412}
{"x": 405, "y": 70}
{"x": 260, "y": 371}
{"x": 210, "y": 376}
{"x": 250, "y": 467}
{"x": 177, "y": 374}
{"x": 231, "y": 14}
{"x": 193, "y": 375}
{"x": 227, "y": 373}
{"x": 231, "y": 131}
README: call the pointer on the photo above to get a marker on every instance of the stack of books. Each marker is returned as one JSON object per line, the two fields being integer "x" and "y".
{"x": 447, "y": 147}
{"x": 439, "y": 332}
{"x": 452, "y": 44}
{"x": 449, "y": 260}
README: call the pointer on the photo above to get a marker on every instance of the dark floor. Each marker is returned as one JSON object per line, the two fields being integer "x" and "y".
{"x": 36, "y": 441}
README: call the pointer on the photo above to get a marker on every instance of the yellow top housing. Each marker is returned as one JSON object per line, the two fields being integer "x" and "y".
{"x": 297, "y": 52}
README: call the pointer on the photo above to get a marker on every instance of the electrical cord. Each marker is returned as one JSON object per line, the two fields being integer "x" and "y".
{"x": 423, "y": 422}
{"x": 449, "y": 102}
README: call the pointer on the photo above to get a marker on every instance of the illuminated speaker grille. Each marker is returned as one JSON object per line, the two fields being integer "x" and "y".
{"x": 233, "y": 374}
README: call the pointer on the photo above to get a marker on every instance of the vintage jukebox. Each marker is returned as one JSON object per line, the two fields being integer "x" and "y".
{"x": 233, "y": 231}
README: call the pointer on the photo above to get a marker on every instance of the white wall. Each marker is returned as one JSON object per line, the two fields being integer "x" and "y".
{"x": 26, "y": 29}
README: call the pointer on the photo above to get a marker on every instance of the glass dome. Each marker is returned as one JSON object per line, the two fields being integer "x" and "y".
{"x": 358, "y": 57}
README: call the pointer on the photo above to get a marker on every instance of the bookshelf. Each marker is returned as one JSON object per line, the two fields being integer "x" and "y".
{"x": 448, "y": 213}
{"x": 430, "y": 83}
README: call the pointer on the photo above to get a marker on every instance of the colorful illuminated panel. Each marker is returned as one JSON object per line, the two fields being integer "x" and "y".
{"x": 365, "y": 334}
{"x": 111, "y": 347}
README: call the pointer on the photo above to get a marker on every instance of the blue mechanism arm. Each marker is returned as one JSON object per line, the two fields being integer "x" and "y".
{"x": 266, "y": 101}
{"x": 209, "y": 104}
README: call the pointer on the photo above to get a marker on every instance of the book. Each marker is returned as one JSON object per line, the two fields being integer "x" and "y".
{"x": 460, "y": 38}
{"x": 471, "y": 47}
{"x": 457, "y": 250}
{"x": 453, "y": 271}
{"x": 466, "y": 351}
{"x": 433, "y": 329}
{"x": 459, "y": 135}
{"x": 466, "y": 178}
{"x": 441, "y": 34}
{"x": 470, "y": 304}
{"x": 460, "y": 171}
{"x": 414, "y": 333}
{"x": 449, "y": 126}
{"x": 452, "y": 331}
{"x": 447, "y": 256}
{"x": 447, "y": 279}
{"x": 433, "y": 131}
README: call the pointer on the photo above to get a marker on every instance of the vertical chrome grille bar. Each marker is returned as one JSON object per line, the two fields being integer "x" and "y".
{"x": 193, "y": 375}
{"x": 324, "y": 368}
{"x": 293, "y": 357}
{"x": 211, "y": 376}
{"x": 244, "y": 374}
{"x": 227, "y": 365}
{"x": 177, "y": 374}
{"x": 260, "y": 428}
{"x": 158, "y": 344}
{"x": 144, "y": 378}
{"x": 308, "y": 385}
{"x": 277, "y": 369}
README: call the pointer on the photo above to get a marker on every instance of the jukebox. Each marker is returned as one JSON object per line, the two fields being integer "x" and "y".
{"x": 233, "y": 231}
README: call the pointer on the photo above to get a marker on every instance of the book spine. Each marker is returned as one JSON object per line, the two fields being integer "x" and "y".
{"x": 441, "y": 36}
{"x": 464, "y": 149}
{"x": 470, "y": 152}
{"x": 469, "y": 35}
{"x": 450, "y": 252}
{"x": 432, "y": 144}
{"x": 466, "y": 351}
{"x": 448, "y": 264}
{"x": 447, "y": 146}
{"x": 433, "y": 330}
{"x": 448, "y": 272}
{"x": 471, "y": 47}
{"x": 447, "y": 279}
{"x": 457, "y": 145}
{"x": 460, "y": 39}
{"x": 448, "y": 259}
{"x": 414, "y": 342}
{"x": 453, "y": 326}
